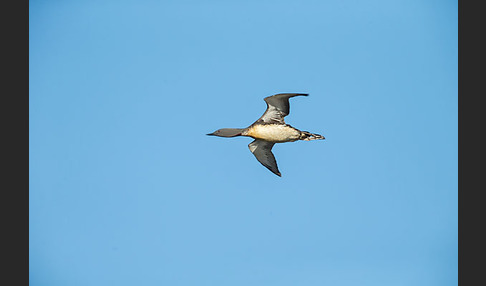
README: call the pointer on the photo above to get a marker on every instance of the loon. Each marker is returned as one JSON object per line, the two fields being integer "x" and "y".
{"x": 269, "y": 129}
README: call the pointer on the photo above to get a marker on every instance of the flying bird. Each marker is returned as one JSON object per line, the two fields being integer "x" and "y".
{"x": 269, "y": 129}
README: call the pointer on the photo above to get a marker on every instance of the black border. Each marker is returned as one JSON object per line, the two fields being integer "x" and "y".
{"x": 15, "y": 136}
{"x": 470, "y": 134}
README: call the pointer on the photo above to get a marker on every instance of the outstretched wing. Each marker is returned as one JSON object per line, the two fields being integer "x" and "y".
{"x": 263, "y": 153}
{"x": 277, "y": 107}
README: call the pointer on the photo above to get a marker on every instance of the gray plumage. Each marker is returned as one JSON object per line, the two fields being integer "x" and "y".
{"x": 263, "y": 153}
{"x": 278, "y": 107}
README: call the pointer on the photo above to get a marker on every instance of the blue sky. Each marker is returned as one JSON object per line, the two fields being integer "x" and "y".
{"x": 126, "y": 188}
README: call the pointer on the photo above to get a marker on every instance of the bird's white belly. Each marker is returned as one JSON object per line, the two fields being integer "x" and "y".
{"x": 274, "y": 133}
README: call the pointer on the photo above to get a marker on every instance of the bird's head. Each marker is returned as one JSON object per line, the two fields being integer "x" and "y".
{"x": 227, "y": 132}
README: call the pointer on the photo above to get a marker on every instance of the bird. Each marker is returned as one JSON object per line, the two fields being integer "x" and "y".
{"x": 269, "y": 129}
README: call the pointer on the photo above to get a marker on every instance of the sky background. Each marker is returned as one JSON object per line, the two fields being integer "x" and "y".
{"x": 126, "y": 188}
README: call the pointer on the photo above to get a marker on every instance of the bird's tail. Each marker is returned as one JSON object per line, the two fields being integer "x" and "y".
{"x": 307, "y": 136}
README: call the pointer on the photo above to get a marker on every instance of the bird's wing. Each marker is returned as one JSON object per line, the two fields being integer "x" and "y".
{"x": 277, "y": 107}
{"x": 263, "y": 153}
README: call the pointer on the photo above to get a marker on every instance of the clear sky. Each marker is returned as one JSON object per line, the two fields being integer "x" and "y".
{"x": 126, "y": 188}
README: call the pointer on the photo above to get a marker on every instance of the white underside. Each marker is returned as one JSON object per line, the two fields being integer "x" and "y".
{"x": 274, "y": 133}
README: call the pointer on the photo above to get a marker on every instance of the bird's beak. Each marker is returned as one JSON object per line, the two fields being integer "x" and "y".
{"x": 210, "y": 134}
